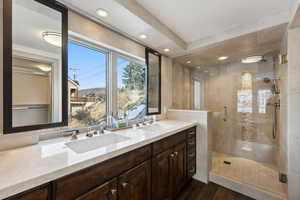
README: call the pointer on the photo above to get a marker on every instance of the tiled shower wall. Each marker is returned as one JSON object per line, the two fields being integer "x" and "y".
{"x": 247, "y": 129}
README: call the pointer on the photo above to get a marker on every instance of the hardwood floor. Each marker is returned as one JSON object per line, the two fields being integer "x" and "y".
{"x": 200, "y": 191}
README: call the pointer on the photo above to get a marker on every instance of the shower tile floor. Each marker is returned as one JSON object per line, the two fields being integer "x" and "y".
{"x": 259, "y": 175}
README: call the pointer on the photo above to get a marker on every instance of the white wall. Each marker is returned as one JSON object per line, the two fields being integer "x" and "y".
{"x": 293, "y": 106}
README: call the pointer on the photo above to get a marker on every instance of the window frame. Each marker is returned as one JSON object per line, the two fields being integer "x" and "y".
{"x": 111, "y": 70}
{"x": 115, "y": 56}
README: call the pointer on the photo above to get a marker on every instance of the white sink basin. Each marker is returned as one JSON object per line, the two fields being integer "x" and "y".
{"x": 85, "y": 145}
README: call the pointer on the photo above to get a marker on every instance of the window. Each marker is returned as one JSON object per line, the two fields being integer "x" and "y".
{"x": 244, "y": 104}
{"x": 87, "y": 86}
{"x": 197, "y": 95}
{"x": 131, "y": 88}
{"x": 263, "y": 98}
{"x": 104, "y": 83}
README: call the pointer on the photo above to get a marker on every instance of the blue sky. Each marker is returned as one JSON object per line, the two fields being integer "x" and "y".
{"x": 91, "y": 66}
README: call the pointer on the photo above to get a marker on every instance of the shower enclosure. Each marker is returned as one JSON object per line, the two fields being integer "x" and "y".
{"x": 244, "y": 99}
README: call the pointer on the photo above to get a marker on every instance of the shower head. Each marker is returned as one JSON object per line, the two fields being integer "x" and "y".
{"x": 267, "y": 80}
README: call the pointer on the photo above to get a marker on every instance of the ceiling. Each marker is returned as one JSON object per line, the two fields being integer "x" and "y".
{"x": 30, "y": 19}
{"x": 185, "y": 26}
{"x": 264, "y": 42}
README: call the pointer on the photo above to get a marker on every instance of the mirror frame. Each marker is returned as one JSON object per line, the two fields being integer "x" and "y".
{"x": 7, "y": 68}
{"x": 151, "y": 51}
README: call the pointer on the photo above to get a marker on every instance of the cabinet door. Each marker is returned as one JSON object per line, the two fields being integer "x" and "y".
{"x": 179, "y": 167}
{"x": 136, "y": 183}
{"x": 162, "y": 176}
{"x": 107, "y": 191}
{"x": 37, "y": 194}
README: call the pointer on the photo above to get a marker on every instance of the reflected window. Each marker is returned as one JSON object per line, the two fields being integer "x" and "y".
{"x": 262, "y": 98}
{"x": 130, "y": 91}
{"x": 87, "y": 86}
{"x": 197, "y": 95}
{"x": 244, "y": 96}
{"x": 244, "y": 103}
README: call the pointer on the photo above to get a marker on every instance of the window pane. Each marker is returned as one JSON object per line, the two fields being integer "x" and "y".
{"x": 197, "y": 95}
{"x": 87, "y": 86}
{"x": 131, "y": 84}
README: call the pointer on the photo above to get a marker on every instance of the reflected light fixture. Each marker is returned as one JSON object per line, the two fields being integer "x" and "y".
{"x": 188, "y": 62}
{"x": 52, "y": 38}
{"x": 167, "y": 50}
{"x": 252, "y": 59}
{"x": 223, "y": 58}
{"x": 45, "y": 68}
{"x": 101, "y": 12}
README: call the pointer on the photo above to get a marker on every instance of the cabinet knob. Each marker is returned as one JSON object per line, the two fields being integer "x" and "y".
{"x": 176, "y": 153}
{"x": 172, "y": 155}
{"x": 113, "y": 192}
{"x": 124, "y": 185}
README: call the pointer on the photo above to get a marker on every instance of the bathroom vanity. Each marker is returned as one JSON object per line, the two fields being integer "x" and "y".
{"x": 157, "y": 167}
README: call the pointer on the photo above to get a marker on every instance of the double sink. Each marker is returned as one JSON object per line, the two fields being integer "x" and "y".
{"x": 90, "y": 144}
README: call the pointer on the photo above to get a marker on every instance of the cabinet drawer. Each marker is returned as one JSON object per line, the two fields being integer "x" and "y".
{"x": 107, "y": 191}
{"x": 191, "y": 132}
{"x": 40, "y": 193}
{"x": 191, "y": 154}
{"x": 79, "y": 183}
{"x": 168, "y": 142}
{"x": 191, "y": 168}
{"x": 191, "y": 143}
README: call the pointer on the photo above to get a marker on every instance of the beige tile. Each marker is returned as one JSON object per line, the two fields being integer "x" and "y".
{"x": 249, "y": 172}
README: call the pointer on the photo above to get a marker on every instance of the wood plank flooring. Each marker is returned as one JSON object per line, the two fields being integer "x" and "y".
{"x": 200, "y": 191}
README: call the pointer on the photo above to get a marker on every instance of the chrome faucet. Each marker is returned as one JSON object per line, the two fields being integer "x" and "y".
{"x": 73, "y": 133}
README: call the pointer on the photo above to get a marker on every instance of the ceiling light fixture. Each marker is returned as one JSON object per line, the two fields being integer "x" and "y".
{"x": 188, "y": 62}
{"x": 143, "y": 36}
{"x": 167, "y": 50}
{"x": 206, "y": 71}
{"x": 52, "y": 38}
{"x": 252, "y": 59}
{"x": 223, "y": 58}
{"x": 101, "y": 12}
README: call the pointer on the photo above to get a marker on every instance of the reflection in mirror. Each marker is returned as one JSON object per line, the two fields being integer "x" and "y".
{"x": 36, "y": 64}
{"x": 154, "y": 82}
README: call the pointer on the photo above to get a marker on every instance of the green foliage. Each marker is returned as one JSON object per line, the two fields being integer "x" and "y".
{"x": 134, "y": 76}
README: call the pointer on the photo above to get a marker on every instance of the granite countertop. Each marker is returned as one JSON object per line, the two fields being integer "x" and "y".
{"x": 25, "y": 168}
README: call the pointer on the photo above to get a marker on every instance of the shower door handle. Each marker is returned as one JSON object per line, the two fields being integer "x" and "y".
{"x": 225, "y": 114}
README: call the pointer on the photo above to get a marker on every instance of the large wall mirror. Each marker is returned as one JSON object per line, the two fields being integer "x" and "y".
{"x": 153, "y": 61}
{"x": 35, "y": 65}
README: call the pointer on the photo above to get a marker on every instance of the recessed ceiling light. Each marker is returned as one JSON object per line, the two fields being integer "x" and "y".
{"x": 223, "y": 58}
{"x": 101, "y": 12}
{"x": 252, "y": 59}
{"x": 188, "y": 62}
{"x": 206, "y": 71}
{"x": 143, "y": 36}
{"x": 166, "y": 49}
{"x": 53, "y": 38}
{"x": 198, "y": 67}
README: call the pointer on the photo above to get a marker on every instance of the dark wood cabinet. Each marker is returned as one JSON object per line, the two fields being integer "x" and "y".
{"x": 179, "y": 167}
{"x": 169, "y": 172}
{"x": 162, "y": 176}
{"x": 41, "y": 193}
{"x": 107, "y": 191}
{"x": 157, "y": 171}
{"x": 136, "y": 183}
